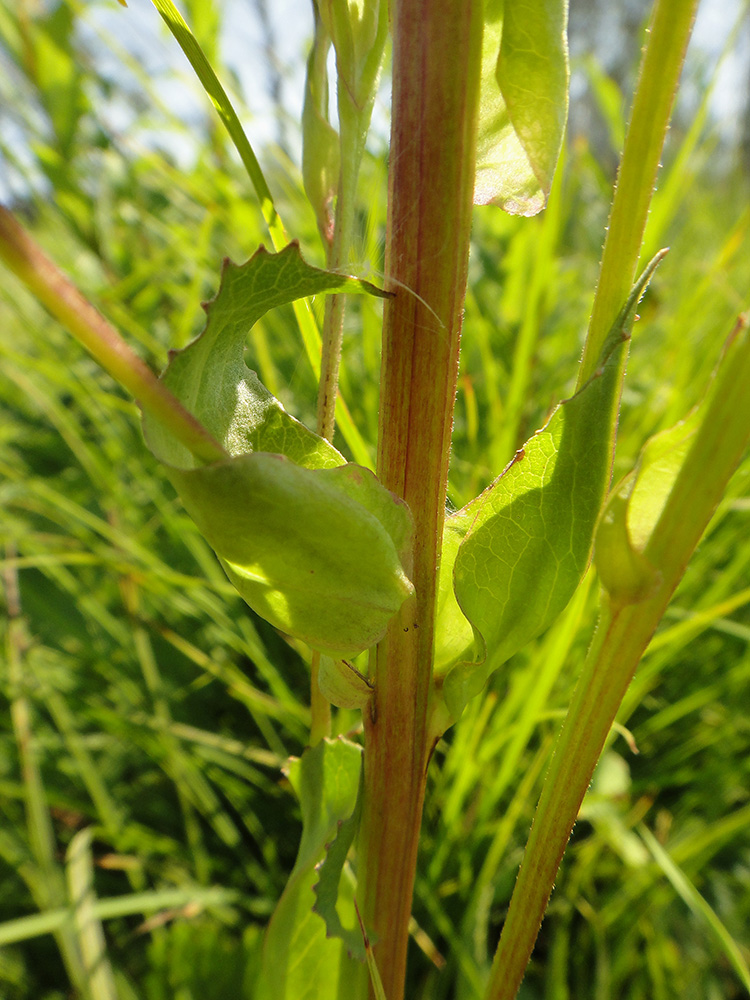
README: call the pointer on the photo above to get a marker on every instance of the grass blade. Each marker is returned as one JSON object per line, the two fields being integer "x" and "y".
{"x": 697, "y": 905}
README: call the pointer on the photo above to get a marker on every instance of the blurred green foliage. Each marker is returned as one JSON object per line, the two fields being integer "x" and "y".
{"x": 141, "y": 697}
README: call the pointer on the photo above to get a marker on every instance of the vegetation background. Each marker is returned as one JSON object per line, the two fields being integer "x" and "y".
{"x": 139, "y": 697}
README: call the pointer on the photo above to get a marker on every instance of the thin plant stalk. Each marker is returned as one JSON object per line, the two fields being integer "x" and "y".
{"x": 354, "y": 123}
{"x": 436, "y": 63}
{"x": 669, "y": 33}
{"x": 102, "y": 341}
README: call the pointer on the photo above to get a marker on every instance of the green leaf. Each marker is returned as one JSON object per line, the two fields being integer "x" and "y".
{"x": 633, "y": 510}
{"x": 517, "y": 552}
{"x": 299, "y": 961}
{"x": 314, "y": 552}
{"x": 342, "y": 684}
{"x": 313, "y": 545}
{"x": 523, "y": 103}
{"x": 211, "y": 379}
{"x": 329, "y": 886}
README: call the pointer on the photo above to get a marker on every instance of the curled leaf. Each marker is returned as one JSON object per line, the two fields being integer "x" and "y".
{"x": 342, "y": 684}
{"x": 211, "y": 379}
{"x": 312, "y": 544}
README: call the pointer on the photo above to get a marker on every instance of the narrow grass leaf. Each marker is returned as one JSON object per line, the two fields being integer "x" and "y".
{"x": 51, "y": 921}
{"x": 698, "y": 905}
{"x": 210, "y": 82}
{"x": 89, "y": 933}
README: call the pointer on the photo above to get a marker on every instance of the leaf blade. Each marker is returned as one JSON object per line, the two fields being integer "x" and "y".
{"x": 523, "y": 103}
{"x": 298, "y": 959}
{"x": 312, "y": 544}
{"x": 522, "y": 547}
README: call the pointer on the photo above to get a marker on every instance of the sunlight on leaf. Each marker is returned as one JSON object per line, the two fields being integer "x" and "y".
{"x": 517, "y": 552}
{"x": 312, "y": 544}
{"x": 523, "y": 103}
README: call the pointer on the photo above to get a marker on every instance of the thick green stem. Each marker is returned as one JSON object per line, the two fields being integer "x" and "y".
{"x": 669, "y": 32}
{"x": 436, "y": 62}
{"x": 320, "y": 707}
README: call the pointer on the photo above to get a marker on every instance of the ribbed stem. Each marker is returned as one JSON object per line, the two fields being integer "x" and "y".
{"x": 436, "y": 60}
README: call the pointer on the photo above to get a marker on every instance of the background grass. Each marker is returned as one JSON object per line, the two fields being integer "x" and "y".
{"x": 142, "y": 702}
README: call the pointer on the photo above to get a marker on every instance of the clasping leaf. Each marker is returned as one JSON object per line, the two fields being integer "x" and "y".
{"x": 312, "y": 544}
{"x": 513, "y": 557}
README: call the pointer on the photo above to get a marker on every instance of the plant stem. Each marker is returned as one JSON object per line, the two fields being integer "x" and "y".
{"x": 320, "y": 708}
{"x": 669, "y": 33}
{"x": 621, "y": 637}
{"x": 354, "y": 123}
{"x": 436, "y": 60}
{"x": 102, "y": 341}
{"x": 333, "y": 321}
